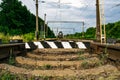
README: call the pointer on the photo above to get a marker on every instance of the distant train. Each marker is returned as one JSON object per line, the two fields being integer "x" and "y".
{"x": 60, "y": 34}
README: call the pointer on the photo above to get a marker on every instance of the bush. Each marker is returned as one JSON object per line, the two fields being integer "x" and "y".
{"x": 4, "y": 38}
{"x": 28, "y": 37}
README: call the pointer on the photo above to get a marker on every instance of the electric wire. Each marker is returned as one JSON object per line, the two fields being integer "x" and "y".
{"x": 87, "y": 3}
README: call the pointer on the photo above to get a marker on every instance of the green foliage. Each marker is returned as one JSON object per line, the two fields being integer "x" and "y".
{"x": 15, "y": 19}
{"x": 11, "y": 15}
{"x": 81, "y": 52}
{"x": 108, "y": 29}
{"x": 90, "y": 33}
{"x": 74, "y": 36}
{"x": 4, "y": 29}
{"x": 4, "y": 38}
{"x": 104, "y": 56}
{"x": 7, "y": 76}
{"x": 70, "y": 36}
{"x": 90, "y": 64}
{"x": 85, "y": 65}
{"x": 80, "y": 55}
{"x": 47, "y": 66}
{"x": 28, "y": 37}
{"x": 50, "y": 34}
{"x": 11, "y": 58}
{"x": 112, "y": 31}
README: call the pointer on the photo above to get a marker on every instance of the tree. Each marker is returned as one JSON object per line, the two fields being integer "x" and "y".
{"x": 113, "y": 30}
{"x": 16, "y": 18}
{"x": 50, "y": 34}
{"x": 109, "y": 26}
{"x": 90, "y": 32}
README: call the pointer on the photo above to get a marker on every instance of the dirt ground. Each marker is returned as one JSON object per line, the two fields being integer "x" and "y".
{"x": 63, "y": 64}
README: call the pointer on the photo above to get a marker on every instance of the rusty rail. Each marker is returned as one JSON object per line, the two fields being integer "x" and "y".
{"x": 15, "y": 48}
{"x": 112, "y": 49}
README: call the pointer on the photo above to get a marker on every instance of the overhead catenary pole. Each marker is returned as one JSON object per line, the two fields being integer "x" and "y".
{"x": 37, "y": 32}
{"x": 44, "y": 26}
{"x": 98, "y": 31}
{"x": 103, "y": 30}
{"x": 83, "y": 30}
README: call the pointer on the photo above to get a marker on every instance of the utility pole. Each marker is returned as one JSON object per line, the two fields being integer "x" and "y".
{"x": 44, "y": 25}
{"x": 37, "y": 32}
{"x": 83, "y": 30}
{"x": 59, "y": 4}
{"x": 98, "y": 31}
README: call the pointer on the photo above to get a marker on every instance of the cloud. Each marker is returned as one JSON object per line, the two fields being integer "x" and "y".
{"x": 112, "y": 11}
{"x": 78, "y": 10}
{"x": 74, "y": 3}
{"x": 75, "y": 10}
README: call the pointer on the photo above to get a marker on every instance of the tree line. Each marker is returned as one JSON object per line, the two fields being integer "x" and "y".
{"x": 16, "y": 19}
{"x": 112, "y": 31}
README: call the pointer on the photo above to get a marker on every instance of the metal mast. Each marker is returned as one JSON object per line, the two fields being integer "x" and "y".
{"x": 83, "y": 30}
{"x": 37, "y": 32}
{"x": 102, "y": 26}
{"x": 98, "y": 35}
{"x": 44, "y": 26}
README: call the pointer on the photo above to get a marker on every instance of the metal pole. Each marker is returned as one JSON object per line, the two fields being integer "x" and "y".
{"x": 44, "y": 26}
{"x": 73, "y": 30}
{"x": 37, "y": 32}
{"x": 57, "y": 32}
{"x": 104, "y": 22}
{"x": 103, "y": 31}
{"x": 47, "y": 29}
{"x": 98, "y": 36}
{"x": 83, "y": 30}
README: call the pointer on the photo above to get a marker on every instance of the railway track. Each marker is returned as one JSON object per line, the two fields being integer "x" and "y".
{"x": 113, "y": 50}
{"x": 11, "y": 49}
{"x": 59, "y": 64}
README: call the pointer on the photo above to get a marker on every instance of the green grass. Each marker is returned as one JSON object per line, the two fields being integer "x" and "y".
{"x": 25, "y": 37}
{"x": 104, "y": 56}
{"x": 4, "y": 38}
{"x": 90, "y": 64}
{"x": 11, "y": 60}
{"x": 79, "y": 54}
{"x": 47, "y": 66}
{"x": 5, "y": 75}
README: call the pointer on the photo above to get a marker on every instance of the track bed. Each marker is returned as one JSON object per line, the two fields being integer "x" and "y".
{"x": 61, "y": 64}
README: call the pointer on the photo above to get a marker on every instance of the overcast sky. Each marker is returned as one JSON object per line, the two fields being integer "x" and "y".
{"x": 75, "y": 10}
